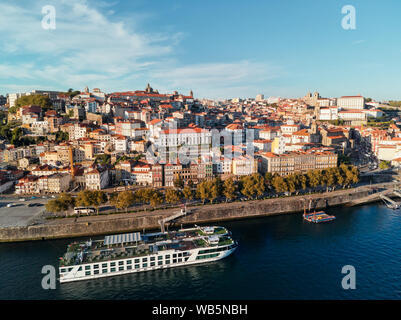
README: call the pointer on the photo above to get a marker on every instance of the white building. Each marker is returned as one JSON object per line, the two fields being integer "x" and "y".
{"x": 351, "y": 102}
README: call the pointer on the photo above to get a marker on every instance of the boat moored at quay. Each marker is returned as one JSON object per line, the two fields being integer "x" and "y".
{"x": 136, "y": 252}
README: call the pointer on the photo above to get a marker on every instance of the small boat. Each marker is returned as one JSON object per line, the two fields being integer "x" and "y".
{"x": 318, "y": 217}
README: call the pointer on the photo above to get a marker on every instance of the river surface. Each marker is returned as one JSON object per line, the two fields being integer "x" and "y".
{"x": 280, "y": 257}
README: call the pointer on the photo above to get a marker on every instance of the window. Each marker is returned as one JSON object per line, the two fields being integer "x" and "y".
{"x": 96, "y": 266}
{"x": 167, "y": 261}
{"x": 160, "y": 263}
{"x": 152, "y": 264}
{"x": 120, "y": 268}
{"x": 113, "y": 264}
{"x": 174, "y": 260}
{"x": 136, "y": 260}
{"x": 152, "y": 258}
{"x": 79, "y": 269}
{"x": 145, "y": 265}
{"x": 174, "y": 255}
{"x": 167, "y": 256}
{"x": 113, "y": 270}
{"x": 87, "y": 267}
{"x": 160, "y": 258}
{"x": 179, "y": 260}
{"x": 129, "y": 267}
{"x": 144, "y": 259}
{"x": 137, "y": 266}
{"x": 87, "y": 273}
{"x": 104, "y": 265}
{"x": 129, "y": 261}
{"x": 120, "y": 263}
{"x": 63, "y": 270}
{"x": 96, "y": 272}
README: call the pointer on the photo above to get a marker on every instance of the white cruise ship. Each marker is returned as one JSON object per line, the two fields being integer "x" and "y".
{"x": 135, "y": 252}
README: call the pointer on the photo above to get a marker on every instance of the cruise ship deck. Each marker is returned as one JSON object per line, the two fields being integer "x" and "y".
{"x": 136, "y": 245}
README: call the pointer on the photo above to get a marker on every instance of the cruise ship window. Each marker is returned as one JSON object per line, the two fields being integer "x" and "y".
{"x": 136, "y": 260}
{"x": 96, "y": 266}
{"x": 121, "y": 268}
{"x": 113, "y": 264}
{"x": 120, "y": 263}
{"x": 104, "y": 270}
{"x": 144, "y": 259}
{"x": 160, "y": 258}
{"x": 87, "y": 267}
{"x": 129, "y": 261}
{"x": 152, "y": 258}
{"x": 167, "y": 261}
{"x": 137, "y": 266}
{"x": 112, "y": 269}
{"x": 129, "y": 267}
{"x": 152, "y": 264}
{"x": 160, "y": 263}
{"x": 104, "y": 265}
{"x": 174, "y": 260}
{"x": 167, "y": 256}
{"x": 144, "y": 265}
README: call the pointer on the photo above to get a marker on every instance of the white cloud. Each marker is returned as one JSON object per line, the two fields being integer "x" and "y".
{"x": 92, "y": 46}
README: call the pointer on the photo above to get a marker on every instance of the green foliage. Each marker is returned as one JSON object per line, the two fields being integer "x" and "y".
{"x": 61, "y": 136}
{"x": 173, "y": 195}
{"x": 178, "y": 182}
{"x": 252, "y": 186}
{"x": 188, "y": 193}
{"x": 35, "y": 99}
{"x": 230, "y": 189}
{"x": 384, "y": 164}
{"x": 62, "y": 203}
{"x": 123, "y": 200}
{"x": 103, "y": 159}
{"x": 87, "y": 198}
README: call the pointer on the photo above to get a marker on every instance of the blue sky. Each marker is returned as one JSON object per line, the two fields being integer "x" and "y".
{"x": 219, "y": 49}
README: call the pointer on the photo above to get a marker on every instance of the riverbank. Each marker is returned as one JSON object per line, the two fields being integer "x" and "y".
{"x": 99, "y": 225}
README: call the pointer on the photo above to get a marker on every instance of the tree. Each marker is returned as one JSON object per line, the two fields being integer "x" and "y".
{"x": 313, "y": 178}
{"x": 156, "y": 198}
{"x": 188, "y": 194}
{"x": 173, "y": 196}
{"x": 279, "y": 184}
{"x": 55, "y": 205}
{"x": 178, "y": 182}
{"x": 89, "y": 198}
{"x": 203, "y": 191}
{"x": 268, "y": 180}
{"x": 99, "y": 198}
{"x": 230, "y": 189}
{"x": 124, "y": 200}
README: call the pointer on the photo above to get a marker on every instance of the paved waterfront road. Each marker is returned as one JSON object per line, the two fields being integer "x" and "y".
{"x": 20, "y": 215}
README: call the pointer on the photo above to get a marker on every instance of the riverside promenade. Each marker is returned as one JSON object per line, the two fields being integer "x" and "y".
{"x": 139, "y": 221}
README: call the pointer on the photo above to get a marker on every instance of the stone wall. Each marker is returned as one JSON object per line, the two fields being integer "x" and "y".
{"x": 201, "y": 214}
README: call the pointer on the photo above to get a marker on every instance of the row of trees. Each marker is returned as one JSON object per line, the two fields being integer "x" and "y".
{"x": 86, "y": 198}
{"x": 252, "y": 186}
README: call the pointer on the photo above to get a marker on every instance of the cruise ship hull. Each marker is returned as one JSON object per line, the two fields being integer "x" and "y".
{"x": 123, "y": 266}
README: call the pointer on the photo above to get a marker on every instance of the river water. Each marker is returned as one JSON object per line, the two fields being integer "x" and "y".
{"x": 279, "y": 257}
